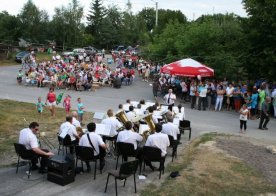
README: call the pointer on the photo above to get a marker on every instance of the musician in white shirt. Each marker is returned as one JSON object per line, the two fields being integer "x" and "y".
{"x": 131, "y": 137}
{"x": 75, "y": 122}
{"x": 170, "y": 99}
{"x": 158, "y": 140}
{"x": 98, "y": 145}
{"x": 67, "y": 128}
{"x": 170, "y": 129}
{"x": 131, "y": 114}
{"x": 28, "y": 138}
{"x": 113, "y": 122}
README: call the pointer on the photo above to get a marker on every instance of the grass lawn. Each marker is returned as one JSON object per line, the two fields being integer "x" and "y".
{"x": 40, "y": 57}
{"x": 15, "y": 116}
{"x": 208, "y": 172}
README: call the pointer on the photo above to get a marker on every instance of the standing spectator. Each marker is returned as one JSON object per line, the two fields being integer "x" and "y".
{"x": 229, "y": 94}
{"x": 67, "y": 104}
{"x": 184, "y": 90}
{"x": 192, "y": 94}
{"x": 254, "y": 103}
{"x": 237, "y": 96}
{"x": 51, "y": 101}
{"x": 243, "y": 118}
{"x": 39, "y": 106}
{"x": 80, "y": 110}
{"x": 219, "y": 101}
{"x": 202, "y": 96}
{"x": 265, "y": 114}
{"x": 273, "y": 95}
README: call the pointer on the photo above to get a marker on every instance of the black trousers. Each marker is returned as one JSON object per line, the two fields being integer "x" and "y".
{"x": 202, "y": 101}
{"x": 243, "y": 124}
{"x": 264, "y": 120}
{"x": 43, "y": 160}
{"x": 193, "y": 101}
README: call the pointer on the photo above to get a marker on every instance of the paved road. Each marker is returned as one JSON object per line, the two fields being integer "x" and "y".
{"x": 101, "y": 100}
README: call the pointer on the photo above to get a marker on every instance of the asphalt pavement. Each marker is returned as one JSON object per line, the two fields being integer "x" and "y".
{"x": 101, "y": 100}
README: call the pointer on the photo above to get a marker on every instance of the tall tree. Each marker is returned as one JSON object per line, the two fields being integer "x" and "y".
{"x": 95, "y": 17}
{"x": 261, "y": 30}
{"x": 33, "y": 22}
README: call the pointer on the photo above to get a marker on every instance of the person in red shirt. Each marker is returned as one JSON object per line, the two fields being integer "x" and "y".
{"x": 51, "y": 101}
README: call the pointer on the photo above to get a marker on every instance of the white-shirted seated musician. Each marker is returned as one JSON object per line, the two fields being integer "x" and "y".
{"x": 131, "y": 137}
{"x": 131, "y": 114}
{"x": 113, "y": 122}
{"x": 170, "y": 129}
{"x": 154, "y": 118}
{"x": 96, "y": 144}
{"x": 75, "y": 122}
{"x": 158, "y": 140}
{"x": 67, "y": 128}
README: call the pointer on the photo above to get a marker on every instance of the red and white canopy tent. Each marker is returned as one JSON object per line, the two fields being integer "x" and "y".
{"x": 187, "y": 67}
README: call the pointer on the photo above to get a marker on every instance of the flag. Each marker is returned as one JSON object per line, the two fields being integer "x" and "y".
{"x": 59, "y": 98}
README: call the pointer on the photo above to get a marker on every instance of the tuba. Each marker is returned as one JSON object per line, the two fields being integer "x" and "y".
{"x": 148, "y": 119}
{"x": 122, "y": 117}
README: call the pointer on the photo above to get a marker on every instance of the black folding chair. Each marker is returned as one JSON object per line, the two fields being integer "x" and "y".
{"x": 173, "y": 145}
{"x": 65, "y": 143}
{"x": 153, "y": 154}
{"x": 185, "y": 125}
{"x": 126, "y": 170}
{"x": 124, "y": 150}
{"x": 84, "y": 153}
{"x": 24, "y": 154}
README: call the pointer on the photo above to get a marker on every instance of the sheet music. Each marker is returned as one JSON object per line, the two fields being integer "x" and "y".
{"x": 143, "y": 128}
{"x": 148, "y": 104}
{"x": 164, "y": 107}
{"x": 99, "y": 115}
{"x": 103, "y": 129}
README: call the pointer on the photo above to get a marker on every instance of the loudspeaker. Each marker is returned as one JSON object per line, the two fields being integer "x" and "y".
{"x": 117, "y": 83}
{"x": 61, "y": 169}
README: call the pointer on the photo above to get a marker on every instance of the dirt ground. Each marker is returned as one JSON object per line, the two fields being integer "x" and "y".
{"x": 255, "y": 155}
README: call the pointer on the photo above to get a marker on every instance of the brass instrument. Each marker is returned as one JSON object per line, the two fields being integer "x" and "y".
{"x": 148, "y": 119}
{"x": 42, "y": 137}
{"x": 122, "y": 117}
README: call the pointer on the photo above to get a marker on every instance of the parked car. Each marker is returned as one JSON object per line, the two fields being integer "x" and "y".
{"x": 19, "y": 56}
{"x": 90, "y": 50}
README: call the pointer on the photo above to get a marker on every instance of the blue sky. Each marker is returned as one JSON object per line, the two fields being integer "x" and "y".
{"x": 191, "y": 8}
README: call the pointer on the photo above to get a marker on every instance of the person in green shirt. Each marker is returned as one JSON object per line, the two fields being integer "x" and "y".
{"x": 19, "y": 76}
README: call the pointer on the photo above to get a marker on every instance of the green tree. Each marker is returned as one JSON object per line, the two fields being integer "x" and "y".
{"x": 33, "y": 22}
{"x": 95, "y": 18}
{"x": 10, "y": 27}
{"x": 261, "y": 30}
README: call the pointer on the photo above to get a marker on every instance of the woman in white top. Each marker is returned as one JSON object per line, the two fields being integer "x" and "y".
{"x": 243, "y": 118}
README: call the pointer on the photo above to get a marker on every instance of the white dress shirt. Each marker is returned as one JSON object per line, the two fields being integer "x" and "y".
{"x": 114, "y": 123}
{"x": 170, "y": 98}
{"x": 28, "y": 139}
{"x": 159, "y": 140}
{"x": 96, "y": 140}
{"x": 75, "y": 122}
{"x": 68, "y": 128}
{"x": 170, "y": 129}
{"x": 129, "y": 136}
{"x": 130, "y": 115}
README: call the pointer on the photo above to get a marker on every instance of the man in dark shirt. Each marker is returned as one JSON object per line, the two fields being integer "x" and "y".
{"x": 264, "y": 114}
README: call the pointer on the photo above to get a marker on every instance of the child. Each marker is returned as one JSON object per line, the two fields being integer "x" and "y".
{"x": 243, "y": 117}
{"x": 40, "y": 106}
{"x": 80, "y": 110}
{"x": 67, "y": 104}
